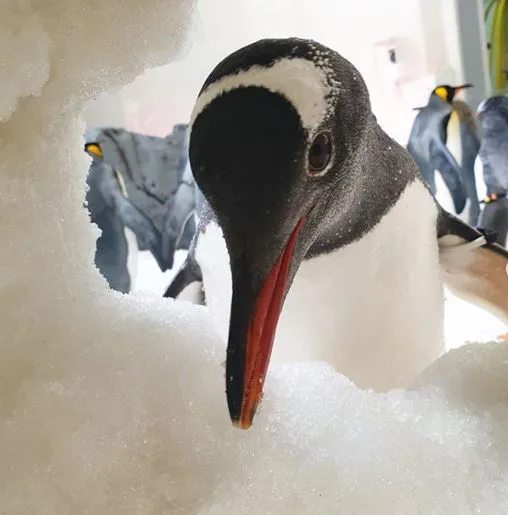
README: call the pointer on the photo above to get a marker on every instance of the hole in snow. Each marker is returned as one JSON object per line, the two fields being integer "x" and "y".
{"x": 140, "y": 188}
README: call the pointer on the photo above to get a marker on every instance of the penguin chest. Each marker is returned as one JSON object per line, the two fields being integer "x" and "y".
{"x": 373, "y": 309}
{"x": 454, "y": 145}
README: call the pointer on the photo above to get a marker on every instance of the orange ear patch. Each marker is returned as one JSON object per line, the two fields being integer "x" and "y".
{"x": 94, "y": 149}
{"x": 441, "y": 93}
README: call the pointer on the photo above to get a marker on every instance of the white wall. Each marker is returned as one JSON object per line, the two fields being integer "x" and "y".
{"x": 106, "y": 109}
{"x": 422, "y": 31}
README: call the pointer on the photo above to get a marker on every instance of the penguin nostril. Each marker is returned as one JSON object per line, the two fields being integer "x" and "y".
{"x": 320, "y": 153}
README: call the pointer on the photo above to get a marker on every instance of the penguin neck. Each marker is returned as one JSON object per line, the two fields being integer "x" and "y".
{"x": 379, "y": 179}
{"x": 436, "y": 101}
{"x": 372, "y": 309}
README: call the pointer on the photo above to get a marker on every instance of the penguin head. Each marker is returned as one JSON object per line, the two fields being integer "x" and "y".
{"x": 447, "y": 93}
{"x": 496, "y": 103}
{"x": 94, "y": 149}
{"x": 276, "y": 137}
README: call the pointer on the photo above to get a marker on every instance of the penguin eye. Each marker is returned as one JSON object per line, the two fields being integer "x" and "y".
{"x": 320, "y": 153}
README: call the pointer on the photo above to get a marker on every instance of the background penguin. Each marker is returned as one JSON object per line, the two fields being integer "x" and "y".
{"x": 444, "y": 137}
{"x": 318, "y": 229}
{"x": 153, "y": 171}
{"x": 150, "y": 189}
{"x": 493, "y": 117}
{"x": 463, "y": 141}
{"x": 114, "y": 216}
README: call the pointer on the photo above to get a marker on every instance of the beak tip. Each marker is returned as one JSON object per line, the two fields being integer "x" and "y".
{"x": 240, "y": 423}
{"x": 244, "y": 418}
{"x": 236, "y": 413}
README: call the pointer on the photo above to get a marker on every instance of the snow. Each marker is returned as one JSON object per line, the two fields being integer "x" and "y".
{"x": 115, "y": 403}
{"x": 22, "y": 73}
{"x": 148, "y": 276}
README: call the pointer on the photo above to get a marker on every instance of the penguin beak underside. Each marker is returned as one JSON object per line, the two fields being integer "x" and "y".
{"x": 251, "y": 334}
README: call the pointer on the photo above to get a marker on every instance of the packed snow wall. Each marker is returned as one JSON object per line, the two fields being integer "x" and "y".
{"x": 115, "y": 404}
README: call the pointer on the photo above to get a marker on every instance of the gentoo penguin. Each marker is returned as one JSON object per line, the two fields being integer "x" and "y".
{"x": 318, "y": 230}
{"x": 493, "y": 117}
{"x": 444, "y": 137}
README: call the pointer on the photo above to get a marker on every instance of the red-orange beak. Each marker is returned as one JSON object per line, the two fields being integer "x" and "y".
{"x": 252, "y": 331}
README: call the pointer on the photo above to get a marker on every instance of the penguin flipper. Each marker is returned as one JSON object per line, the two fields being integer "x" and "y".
{"x": 474, "y": 267}
{"x": 426, "y": 171}
{"x": 179, "y": 217}
{"x": 443, "y": 160}
{"x": 136, "y": 221}
{"x": 187, "y": 283}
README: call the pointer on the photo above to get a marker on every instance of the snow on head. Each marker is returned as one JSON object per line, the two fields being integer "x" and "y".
{"x": 115, "y": 404}
{"x": 300, "y": 81}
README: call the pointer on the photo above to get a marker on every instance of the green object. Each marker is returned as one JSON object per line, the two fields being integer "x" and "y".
{"x": 496, "y": 30}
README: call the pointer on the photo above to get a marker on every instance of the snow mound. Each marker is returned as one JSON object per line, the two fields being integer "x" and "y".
{"x": 117, "y": 409}
{"x": 23, "y": 72}
{"x": 115, "y": 404}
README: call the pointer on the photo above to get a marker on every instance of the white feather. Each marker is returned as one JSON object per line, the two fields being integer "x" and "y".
{"x": 132, "y": 256}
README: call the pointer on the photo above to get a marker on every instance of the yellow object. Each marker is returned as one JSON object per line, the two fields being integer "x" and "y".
{"x": 441, "y": 93}
{"x": 94, "y": 149}
{"x": 491, "y": 198}
{"x": 121, "y": 183}
{"x": 496, "y": 27}
{"x": 453, "y": 137}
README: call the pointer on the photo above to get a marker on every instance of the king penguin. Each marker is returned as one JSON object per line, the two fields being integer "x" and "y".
{"x": 493, "y": 117}
{"x": 445, "y": 137}
{"x": 318, "y": 238}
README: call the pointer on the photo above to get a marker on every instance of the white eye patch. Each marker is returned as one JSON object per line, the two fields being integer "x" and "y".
{"x": 300, "y": 81}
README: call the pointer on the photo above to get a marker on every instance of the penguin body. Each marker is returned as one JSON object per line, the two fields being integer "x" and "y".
{"x": 444, "y": 137}
{"x": 463, "y": 141}
{"x": 427, "y": 145}
{"x": 493, "y": 116}
{"x": 112, "y": 248}
{"x": 334, "y": 293}
{"x": 317, "y": 230}
{"x": 157, "y": 181}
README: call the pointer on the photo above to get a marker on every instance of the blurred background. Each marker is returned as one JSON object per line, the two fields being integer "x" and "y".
{"x": 141, "y": 192}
